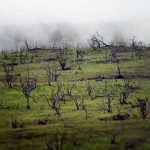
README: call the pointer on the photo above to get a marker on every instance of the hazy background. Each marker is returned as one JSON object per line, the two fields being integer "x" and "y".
{"x": 74, "y": 21}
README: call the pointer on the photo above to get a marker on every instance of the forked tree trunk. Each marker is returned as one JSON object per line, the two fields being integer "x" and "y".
{"x": 28, "y": 103}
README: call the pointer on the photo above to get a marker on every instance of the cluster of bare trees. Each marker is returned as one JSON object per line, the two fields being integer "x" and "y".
{"x": 62, "y": 90}
{"x": 96, "y": 42}
{"x": 111, "y": 91}
{"x": 118, "y": 45}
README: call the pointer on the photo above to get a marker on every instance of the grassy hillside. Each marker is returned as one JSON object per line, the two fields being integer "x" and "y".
{"x": 86, "y": 105}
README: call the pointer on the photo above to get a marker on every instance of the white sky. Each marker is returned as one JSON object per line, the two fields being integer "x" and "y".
{"x": 35, "y": 11}
{"x": 41, "y": 20}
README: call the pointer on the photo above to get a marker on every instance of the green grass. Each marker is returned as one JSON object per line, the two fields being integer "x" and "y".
{"x": 93, "y": 131}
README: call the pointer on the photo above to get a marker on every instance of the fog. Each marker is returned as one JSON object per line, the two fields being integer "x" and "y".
{"x": 72, "y": 21}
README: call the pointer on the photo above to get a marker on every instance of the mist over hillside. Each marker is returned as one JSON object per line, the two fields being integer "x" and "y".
{"x": 75, "y": 21}
{"x": 45, "y": 34}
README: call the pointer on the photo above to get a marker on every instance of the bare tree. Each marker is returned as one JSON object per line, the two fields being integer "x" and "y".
{"x": 118, "y": 45}
{"x": 59, "y": 93}
{"x": 51, "y": 71}
{"x": 96, "y": 42}
{"x": 110, "y": 94}
{"x": 55, "y": 98}
{"x": 53, "y": 103}
{"x": 119, "y": 64}
{"x": 125, "y": 91}
{"x": 70, "y": 87}
{"x": 27, "y": 85}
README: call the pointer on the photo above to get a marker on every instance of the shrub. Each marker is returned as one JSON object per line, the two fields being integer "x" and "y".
{"x": 62, "y": 61}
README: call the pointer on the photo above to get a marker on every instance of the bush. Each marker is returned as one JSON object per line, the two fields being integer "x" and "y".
{"x": 62, "y": 61}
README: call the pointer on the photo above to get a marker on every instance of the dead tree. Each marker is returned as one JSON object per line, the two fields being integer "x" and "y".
{"x": 27, "y": 85}
{"x": 125, "y": 91}
{"x": 51, "y": 72}
{"x": 55, "y": 98}
{"x": 96, "y": 42}
{"x": 53, "y": 103}
{"x": 110, "y": 94}
{"x": 118, "y": 45}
